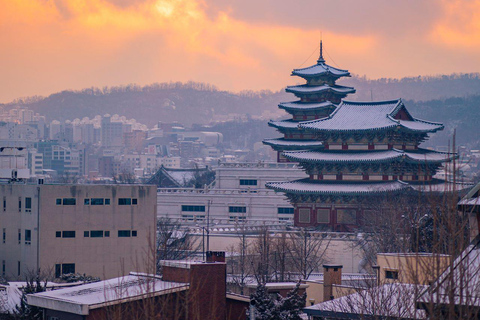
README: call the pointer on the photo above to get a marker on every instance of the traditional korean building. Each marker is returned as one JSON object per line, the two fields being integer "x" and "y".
{"x": 318, "y": 98}
{"x": 369, "y": 149}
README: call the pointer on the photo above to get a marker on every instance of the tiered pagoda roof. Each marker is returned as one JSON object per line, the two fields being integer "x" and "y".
{"x": 331, "y": 156}
{"x": 368, "y": 116}
{"x": 318, "y": 98}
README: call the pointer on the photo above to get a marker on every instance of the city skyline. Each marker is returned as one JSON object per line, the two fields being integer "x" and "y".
{"x": 243, "y": 45}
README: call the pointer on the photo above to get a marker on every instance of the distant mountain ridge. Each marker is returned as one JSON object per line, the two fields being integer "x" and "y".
{"x": 451, "y": 99}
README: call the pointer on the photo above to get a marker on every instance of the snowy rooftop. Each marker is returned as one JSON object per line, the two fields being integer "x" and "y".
{"x": 321, "y": 68}
{"x": 80, "y": 299}
{"x": 306, "y": 89}
{"x": 305, "y": 106}
{"x": 387, "y": 301}
{"x": 459, "y": 283}
{"x": 284, "y": 124}
{"x": 361, "y": 116}
{"x": 306, "y": 186}
{"x": 281, "y": 142}
{"x": 421, "y": 155}
{"x": 439, "y": 185}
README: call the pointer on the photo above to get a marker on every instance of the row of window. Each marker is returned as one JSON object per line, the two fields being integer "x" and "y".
{"x": 248, "y": 182}
{"x": 96, "y": 234}
{"x": 233, "y": 209}
{"x": 95, "y": 201}
{"x": 28, "y": 204}
{"x": 28, "y": 236}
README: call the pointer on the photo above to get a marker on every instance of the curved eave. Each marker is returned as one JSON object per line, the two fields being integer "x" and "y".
{"x": 369, "y": 157}
{"x": 310, "y": 125}
{"x": 319, "y": 70}
{"x": 281, "y": 144}
{"x": 284, "y": 125}
{"x": 441, "y": 186}
{"x": 305, "y": 186}
{"x": 305, "y": 106}
{"x": 307, "y": 90}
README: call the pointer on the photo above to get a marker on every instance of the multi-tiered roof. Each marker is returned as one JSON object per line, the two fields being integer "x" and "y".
{"x": 318, "y": 98}
{"x": 369, "y": 148}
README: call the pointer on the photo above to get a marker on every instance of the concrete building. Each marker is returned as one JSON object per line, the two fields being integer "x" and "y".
{"x": 99, "y": 230}
{"x": 238, "y": 195}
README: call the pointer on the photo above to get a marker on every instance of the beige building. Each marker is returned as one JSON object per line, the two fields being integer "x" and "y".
{"x": 98, "y": 230}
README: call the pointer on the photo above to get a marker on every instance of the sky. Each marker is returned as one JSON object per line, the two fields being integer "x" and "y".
{"x": 48, "y": 46}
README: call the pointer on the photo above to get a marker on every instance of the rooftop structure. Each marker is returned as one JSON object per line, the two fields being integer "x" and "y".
{"x": 360, "y": 150}
{"x": 318, "y": 98}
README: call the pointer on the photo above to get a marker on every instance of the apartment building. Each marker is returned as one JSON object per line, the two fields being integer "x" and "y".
{"x": 98, "y": 230}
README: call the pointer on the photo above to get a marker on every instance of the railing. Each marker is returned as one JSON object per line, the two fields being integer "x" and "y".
{"x": 260, "y": 164}
{"x": 207, "y": 191}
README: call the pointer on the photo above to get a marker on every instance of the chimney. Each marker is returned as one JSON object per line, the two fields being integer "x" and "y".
{"x": 332, "y": 275}
{"x": 215, "y": 256}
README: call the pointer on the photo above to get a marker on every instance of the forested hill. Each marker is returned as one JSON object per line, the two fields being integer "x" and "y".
{"x": 453, "y": 100}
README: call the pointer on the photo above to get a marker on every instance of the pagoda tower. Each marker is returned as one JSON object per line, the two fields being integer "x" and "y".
{"x": 364, "y": 150}
{"x": 317, "y": 99}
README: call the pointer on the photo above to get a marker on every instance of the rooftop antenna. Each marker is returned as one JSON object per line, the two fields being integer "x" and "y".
{"x": 321, "y": 60}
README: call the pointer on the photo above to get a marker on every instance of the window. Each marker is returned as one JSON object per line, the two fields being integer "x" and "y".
{"x": 237, "y": 209}
{"x": 86, "y": 234}
{"x": 96, "y": 234}
{"x": 58, "y": 202}
{"x": 68, "y": 268}
{"x": 28, "y": 236}
{"x": 134, "y": 201}
{"x": 18, "y": 268}
{"x": 124, "y": 201}
{"x": 107, "y": 202}
{"x": 285, "y": 210}
{"x": 248, "y": 182}
{"x": 107, "y": 234}
{"x": 4, "y": 203}
{"x": 69, "y": 201}
{"x": 96, "y": 201}
{"x": 134, "y": 233}
{"x": 4, "y": 237}
{"x": 58, "y": 234}
{"x": 188, "y": 217}
{"x": 86, "y": 202}
{"x": 193, "y": 208}
{"x": 346, "y": 216}
{"x": 19, "y": 236}
{"x": 68, "y": 234}
{"x": 28, "y": 204}
{"x": 391, "y": 274}
{"x": 3, "y": 268}
{"x": 304, "y": 215}
{"x": 323, "y": 215}
{"x": 124, "y": 233}
{"x": 20, "y": 204}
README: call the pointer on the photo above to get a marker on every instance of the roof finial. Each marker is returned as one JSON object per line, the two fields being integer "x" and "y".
{"x": 321, "y": 60}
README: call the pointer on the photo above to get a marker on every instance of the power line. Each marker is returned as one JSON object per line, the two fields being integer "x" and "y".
{"x": 315, "y": 50}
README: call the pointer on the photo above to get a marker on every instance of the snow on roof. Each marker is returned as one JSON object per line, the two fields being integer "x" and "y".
{"x": 395, "y": 300}
{"x": 306, "y": 89}
{"x": 284, "y": 124}
{"x": 472, "y": 198}
{"x": 360, "y": 116}
{"x": 306, "y": 186}
{"x": 460, "y": 282}
{"x": 318, "y": 69}
{"x": 10, "y": 297}
{"x": 281, "y": 142}
{"x": 80, "y": 299}
{"x": 439, "y": 185}
{"x": 420, "y": 155}
{"x": 305, "y": 106}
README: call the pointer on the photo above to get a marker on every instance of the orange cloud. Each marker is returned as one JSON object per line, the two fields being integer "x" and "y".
{"x": 60, "y": 44}
{"x": 460, "y": 25}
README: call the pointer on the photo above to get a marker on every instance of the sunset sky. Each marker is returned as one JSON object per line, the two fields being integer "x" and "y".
{"x": 53, "y": 45}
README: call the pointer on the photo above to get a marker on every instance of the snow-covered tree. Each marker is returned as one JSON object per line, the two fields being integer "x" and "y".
{"x": 275, "y": 307}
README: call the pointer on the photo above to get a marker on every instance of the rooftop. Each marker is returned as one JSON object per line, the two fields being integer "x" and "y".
{"x": 305, "y": 106}
{"x": 307, "y": 89}
{"x": 420, "y": 155}
{"x": 319, "y": 69}
{"x": 81, "y": 299}
{"x": 306, "y": 186}
{"x": 362, "y": 116}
